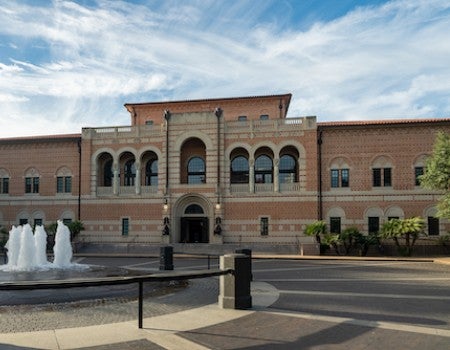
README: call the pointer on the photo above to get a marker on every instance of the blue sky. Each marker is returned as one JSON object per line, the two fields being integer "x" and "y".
{"x": 65, "y": 65}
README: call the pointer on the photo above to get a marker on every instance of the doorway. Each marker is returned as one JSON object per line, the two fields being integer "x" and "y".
{"x": 194, "y": 230}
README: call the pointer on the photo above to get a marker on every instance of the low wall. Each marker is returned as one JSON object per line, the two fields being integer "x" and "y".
{"x": 194, "y": 248}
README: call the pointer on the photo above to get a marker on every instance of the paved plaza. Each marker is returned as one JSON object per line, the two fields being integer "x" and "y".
{"x": 297, "y": 304}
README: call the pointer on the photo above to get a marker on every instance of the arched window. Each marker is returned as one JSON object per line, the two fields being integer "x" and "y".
{"x": 107, "y": 173}
{"x": 382, "y": 172}
{"x": 196, "y": 171}
{"x": 194, "y": 209}
{"x": 263, "y": 169}
{"x": 151, "y": 173}
{"x": 287, "y": 169}
{"x": 129, "y": 173}
{"x": 239, "y": 170}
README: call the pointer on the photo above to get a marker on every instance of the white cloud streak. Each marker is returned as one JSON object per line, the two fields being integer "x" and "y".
{"x": 389, "y": 61}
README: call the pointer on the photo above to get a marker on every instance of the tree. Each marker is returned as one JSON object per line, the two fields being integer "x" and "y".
{"x": 407, "y": 229}
{"x": 316, "y": 229}
{"x": 75, "y": 228}
{"x": 437, "y": 173}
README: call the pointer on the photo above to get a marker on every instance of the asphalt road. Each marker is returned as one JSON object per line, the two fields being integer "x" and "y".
{"x": 411, "y": 293}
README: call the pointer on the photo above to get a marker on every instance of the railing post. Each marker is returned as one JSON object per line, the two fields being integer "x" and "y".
{"x": 235, "y": 287}
{"x": 166, "y": 258}
{"x": 140, "y": 304}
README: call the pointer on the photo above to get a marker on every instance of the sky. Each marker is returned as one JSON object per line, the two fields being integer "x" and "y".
{"x": 65, "y": 65}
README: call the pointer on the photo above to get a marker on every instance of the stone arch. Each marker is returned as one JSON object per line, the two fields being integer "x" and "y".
{"x": 147, "y": 149}
{"x": 291, "y": 143}
{"x": 237, "y": 145}
{"x": 420, "y": 160}
{"x": 262, "y": 145}
{"x": 101, "y": 159}
{"x": 373, "y": 211}
{"x": 382, "y": 161}
{"x": 4, "y": 173}
{"x": 340, "y": 162}
{"x": 63, "y": 171}
{"x": 22, "y": 215}
{"x": 67, "y": 214}
{"x": 193, "y": 134}
{"x": 394, "y": 211}
{"x": 37, "y": 215}
{"x": 183, "y": 222}
{"x": 336, "y": 211}
{"x": 32, "y": 172}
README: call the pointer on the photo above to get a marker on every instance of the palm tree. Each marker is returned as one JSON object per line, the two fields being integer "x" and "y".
{"x": 316, "y": 229}
{"x": 408, "y": 229}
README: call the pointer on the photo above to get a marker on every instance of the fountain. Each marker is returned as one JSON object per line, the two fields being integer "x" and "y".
{"x": 28, "y": 252}
{"x": 27, "y": 261}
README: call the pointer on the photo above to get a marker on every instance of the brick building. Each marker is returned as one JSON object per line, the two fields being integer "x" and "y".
{"x": 223, "y": 172}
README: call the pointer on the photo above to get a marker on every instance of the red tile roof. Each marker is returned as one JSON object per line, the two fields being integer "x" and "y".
{"x": 382, "y": 122}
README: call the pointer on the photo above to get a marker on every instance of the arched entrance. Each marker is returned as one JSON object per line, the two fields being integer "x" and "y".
{"x": 194, "y": 226}
{"x": 193, "y": 214}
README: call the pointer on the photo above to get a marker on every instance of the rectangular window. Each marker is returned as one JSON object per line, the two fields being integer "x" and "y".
{"x": 334, "y": 178}
{"x": 37, "y": 222}
{"x": 68, "y": 184}
{"x": 264, "y": 226}
{"x": 264, "y": 117}
{"x": 59, "y": 184}
{"x": 28, "y": 185}
{"x": 35, "y": 185}
{"x": 387, "y": 178}
{"x": 125, "y": 226}
{"x": 374, "y": 224}
{"x": 67, "y": 221}
{"x": 340, "y": 178}
{"x": 23, "y": 222}
{"x": 64, "y": 184}
{"x": 376, "y": 172}
{"x": 433, "y": 226}
{"x": 345, "y": 177}
{"x": 242, "y": 118}
{"x": 418, "y": 171}
{"x": 335, "y": 225}
{"x": 4, "y": 185}
{"x": 32, "y": 185}
{"x": 381, "y": 177}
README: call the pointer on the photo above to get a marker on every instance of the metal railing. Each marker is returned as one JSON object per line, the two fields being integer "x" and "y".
{"x": 109, "y": 281}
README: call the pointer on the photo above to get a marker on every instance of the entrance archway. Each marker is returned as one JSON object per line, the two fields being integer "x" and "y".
{"x": 193, "y": 219}
{"x": 194, "y": 226}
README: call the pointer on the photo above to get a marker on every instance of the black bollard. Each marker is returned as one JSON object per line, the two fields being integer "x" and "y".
{"x": 166, "y": 258}
{"x": 235, "y": 288}
{"x": 247, "y": 252}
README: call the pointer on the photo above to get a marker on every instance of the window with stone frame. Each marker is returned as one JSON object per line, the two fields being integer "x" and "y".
{"x": 239, "y": 172}
{"x": 382, "y": 172}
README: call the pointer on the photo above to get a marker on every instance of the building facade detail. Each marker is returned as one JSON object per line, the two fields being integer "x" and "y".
{"x": 221, "y": 171}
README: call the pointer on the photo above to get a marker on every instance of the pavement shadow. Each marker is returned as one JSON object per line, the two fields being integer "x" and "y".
{"x": 14, "y": 347}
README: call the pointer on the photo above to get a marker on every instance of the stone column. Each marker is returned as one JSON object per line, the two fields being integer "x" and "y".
{"x": 251, "y": 175}
{"x": 116, "y": 179}
{"x": 276, "y": 178}
{"x": 137, "y": 183}
{"x": 235, "y": 288}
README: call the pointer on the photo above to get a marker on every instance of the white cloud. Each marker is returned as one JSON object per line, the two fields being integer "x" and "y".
{"x": 374, "y": 62}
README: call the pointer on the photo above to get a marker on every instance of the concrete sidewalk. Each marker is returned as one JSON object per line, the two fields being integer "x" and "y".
{"x": 159, "y": 332}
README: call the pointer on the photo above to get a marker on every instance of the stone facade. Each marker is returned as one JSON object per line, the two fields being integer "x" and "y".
{"x": 231, "y": 171}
